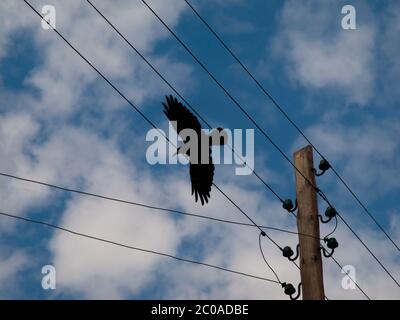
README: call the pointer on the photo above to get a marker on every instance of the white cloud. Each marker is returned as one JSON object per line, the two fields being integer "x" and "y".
{"x": 74, "y": 156}
{"x": 366, "y": 154}
{"x": 95, "y": 270}
{"x": 320, "y": 55}
{"x": 101, "y": 270}
{"x": 63, "y": 76}
{"x": 10, "y": 265}
{"x": 238, "y": 249}
{"x": 17, "y": 132}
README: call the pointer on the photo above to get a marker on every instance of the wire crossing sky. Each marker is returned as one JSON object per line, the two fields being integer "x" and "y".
{"x": 233, "y": 99}
{"x": 276, "y": 104}
{"x": 59, "y": 122}
{"x": 176, "y": 92}
{"x": 151, "y": 123}
{"x": 323, "y": 196}
{"x": 148, "y": 120}
{"x": 149, "y": 206}
{"x": 134, "y": 248}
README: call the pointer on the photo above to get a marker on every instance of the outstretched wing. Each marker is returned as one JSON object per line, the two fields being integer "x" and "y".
{"x": 176, "y": 111}
{"x": 201, "y": 177}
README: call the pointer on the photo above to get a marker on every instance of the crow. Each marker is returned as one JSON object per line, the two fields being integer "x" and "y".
{"x": 201, "y": 174}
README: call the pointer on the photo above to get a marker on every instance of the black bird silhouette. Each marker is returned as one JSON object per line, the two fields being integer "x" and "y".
{"x": 201, "y": 174}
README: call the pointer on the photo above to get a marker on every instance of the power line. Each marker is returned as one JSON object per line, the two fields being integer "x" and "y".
{"x": 269, "y": 265}
{"x": 359, "y": 288}
{"x": 148, "y": 120}
{"x": 228, "y": 94}
{"x": 360, "y": 203}
{"x": 368, "y": 249}
{"x": 334, "y": 228}
{"x": 280, "y": 108}
{"x": 197, "y": 113}
{"x": 114, "y": 87}
{"x": 152, "y": 124}
{"x": 176, "y": 92}
{"x": 135, "y": 248}
{"x": 194, "y": 110}
{"x": 320, "y": 193}
{"x": 131, "y": 104}
{"x": 265, "y": 260}
{"x": 162, "y": 209}
{"x": 364, "y": 244}
{"x": 244, "y": 213}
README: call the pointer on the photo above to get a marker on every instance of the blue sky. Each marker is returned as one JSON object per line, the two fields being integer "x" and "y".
{"x": 61, "y": 123}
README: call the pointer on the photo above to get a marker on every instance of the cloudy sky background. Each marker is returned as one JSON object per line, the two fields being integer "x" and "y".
{"x": 61, "y": 123}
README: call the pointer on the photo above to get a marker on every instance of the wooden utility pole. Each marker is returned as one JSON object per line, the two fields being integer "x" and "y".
{"x": 308, "y": 223}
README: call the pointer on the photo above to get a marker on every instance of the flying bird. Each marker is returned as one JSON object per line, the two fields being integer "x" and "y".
{"x": 201, "y": 174}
